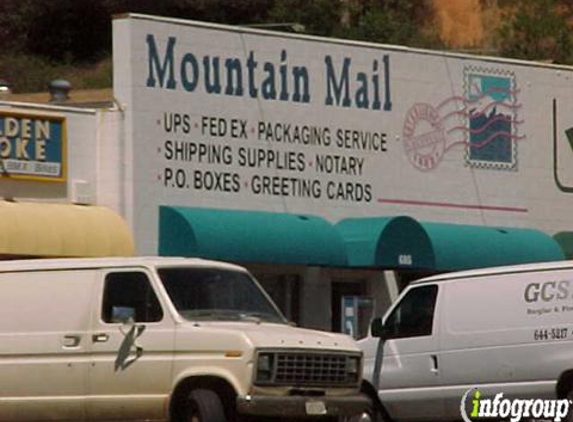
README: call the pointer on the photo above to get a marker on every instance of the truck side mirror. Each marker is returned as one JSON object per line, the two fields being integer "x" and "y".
{"x": 378, "y": 329}
{"x": 122, "y": 314}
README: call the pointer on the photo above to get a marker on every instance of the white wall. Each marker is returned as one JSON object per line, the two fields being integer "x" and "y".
{"x": 82, "y": 127}
{"x": 110, "y": 160}
{"x": 439, "y": 162}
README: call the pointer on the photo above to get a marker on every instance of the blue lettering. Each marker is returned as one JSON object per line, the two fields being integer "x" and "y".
{"x": 283, "y": 71}
{"x": 155, "y": 64}
{"x": 251, "y": 66}
{"x": 234, "y": 86}
{"x": 268, "y": 86}
{"x": 361, "y": 99}
{"x": 376, "y": 105}
{"x": 387, "y": 99}
{"x": 189, "y": 83}
{"x": 212, "y": 84}
{"x": 338, "y": 88}
{"x": 300, "y": 76}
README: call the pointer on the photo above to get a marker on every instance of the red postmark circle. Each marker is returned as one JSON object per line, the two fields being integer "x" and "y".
{"x": 423, "y": 136}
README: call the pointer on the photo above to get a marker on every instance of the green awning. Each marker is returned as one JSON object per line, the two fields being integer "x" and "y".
{"x": 565, "y": 240}
{"x": 459, "y": 247}
{"x": 386, "y": 242}
{"x": 403, "y": 242}
{"x": 249, "y": 236}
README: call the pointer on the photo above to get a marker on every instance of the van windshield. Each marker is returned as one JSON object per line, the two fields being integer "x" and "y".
{"x": 216, "y": 294}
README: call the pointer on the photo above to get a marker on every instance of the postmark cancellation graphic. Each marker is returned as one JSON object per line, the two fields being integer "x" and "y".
{"x": 424, "y": 138}
{"x": 484, "y": 121}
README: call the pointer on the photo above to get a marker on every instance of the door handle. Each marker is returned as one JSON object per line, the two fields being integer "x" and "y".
{"x": 71, "y": 341}
{"x": 100, "y": 338}
{"x": 434, "y": 368}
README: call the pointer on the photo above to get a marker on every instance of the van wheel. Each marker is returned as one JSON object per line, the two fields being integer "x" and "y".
{"x": 371, "y": 415}
{"x": 569, "y": 417}
{"x": 204, "y": 406}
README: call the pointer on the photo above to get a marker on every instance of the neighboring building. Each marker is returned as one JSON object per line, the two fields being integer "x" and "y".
{"x": 52, "y": 176}
{"x": 336, "y": 171}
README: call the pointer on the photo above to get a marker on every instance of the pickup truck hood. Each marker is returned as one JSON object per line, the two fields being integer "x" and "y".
{"x": 270, "y": 335}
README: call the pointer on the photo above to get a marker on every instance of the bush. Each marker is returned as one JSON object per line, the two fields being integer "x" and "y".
{"x": 29, "y": 73}
{"x": 536, "y": 31}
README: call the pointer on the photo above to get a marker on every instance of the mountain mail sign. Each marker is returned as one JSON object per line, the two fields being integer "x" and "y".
{"x": 32, "y": 147}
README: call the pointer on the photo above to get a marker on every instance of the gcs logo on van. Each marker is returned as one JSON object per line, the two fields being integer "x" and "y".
{"x": 547, "y": 291}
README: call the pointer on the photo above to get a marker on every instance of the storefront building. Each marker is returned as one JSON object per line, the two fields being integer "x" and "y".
{"x": 335, "y": 171}
{"x": 49, "y": 204}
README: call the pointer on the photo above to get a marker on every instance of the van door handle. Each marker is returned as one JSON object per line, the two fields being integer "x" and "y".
{"x": 434, "y": 369}
{"x": 100, "y": 338}
{"x": 71, "y": 341}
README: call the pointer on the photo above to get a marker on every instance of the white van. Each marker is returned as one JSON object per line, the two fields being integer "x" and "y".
{"x": 161, "y": 339}
{"x": 501, "y": 330}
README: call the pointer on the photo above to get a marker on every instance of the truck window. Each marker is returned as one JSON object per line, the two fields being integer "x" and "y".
{"x": 217, "y": 294}
{"x": 414, "y": 315}
{"x": 130, "y": 290}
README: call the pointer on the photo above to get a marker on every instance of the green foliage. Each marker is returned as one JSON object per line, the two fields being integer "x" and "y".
{"x": 14, "y": 22}
{"x": 58, "y": 30}
{"x": 392, "y": 22}
{"x": 95, "y": 77}
{"x": 319, "y": 17}
{"x": 27, "y": 73}
{"x": 383, "y": 21}
{"x": 30, "y": 73}
{"x": 47, "y": 39}
{"x": 233, "y": 12}
{"x": 537, "y": 31}
{"x": 69, "y": 31}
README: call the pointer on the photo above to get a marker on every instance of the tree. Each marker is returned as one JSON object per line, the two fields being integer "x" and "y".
{"x": 73, "y": 31}
{"x": 42, "y": 39}
{"x": 14, "y": 20}
{"x": 537, "y": 31}
{"x": 234, "y": 12}
{"x": 401, "y": 22}
{"x": 319, "y": 17}
{"x": 384, "y": 21}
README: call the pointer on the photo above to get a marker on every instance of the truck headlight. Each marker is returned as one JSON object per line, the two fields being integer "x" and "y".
{"x": 353, "y": 368}
{"x": 265, "y": 367}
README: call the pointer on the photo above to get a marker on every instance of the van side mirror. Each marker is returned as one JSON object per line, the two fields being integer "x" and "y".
{"x": 377, "y": 328}
{"x": 122, "y": 314}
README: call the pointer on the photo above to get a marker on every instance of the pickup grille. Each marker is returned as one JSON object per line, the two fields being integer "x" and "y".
{"x": 308, "y": 369}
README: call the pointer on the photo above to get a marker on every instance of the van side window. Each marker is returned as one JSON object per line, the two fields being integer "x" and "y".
{"x": 414, "y": 315}
{"x": 132, "y": 294}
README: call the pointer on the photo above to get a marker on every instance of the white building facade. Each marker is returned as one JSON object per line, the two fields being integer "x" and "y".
{"x": 335, "y": 170}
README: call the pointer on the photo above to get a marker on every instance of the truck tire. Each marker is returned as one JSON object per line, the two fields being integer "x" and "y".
{"x": 204, "y": 406}
{"x": 569, "y": 417}
{"x": 371, "y": 415}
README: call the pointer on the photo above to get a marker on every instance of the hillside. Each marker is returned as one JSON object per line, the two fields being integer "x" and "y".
{"x": 71, "y": 39}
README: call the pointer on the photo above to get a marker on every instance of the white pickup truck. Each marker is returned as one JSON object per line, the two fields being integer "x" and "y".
{"x": 161, "y": 339}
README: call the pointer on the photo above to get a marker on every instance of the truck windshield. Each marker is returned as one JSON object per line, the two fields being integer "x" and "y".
{"x": 215, "y": 294}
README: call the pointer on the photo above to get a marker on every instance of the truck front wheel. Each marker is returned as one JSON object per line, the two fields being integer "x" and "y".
{"x": 204, "y": 406}
{"x": 369, "y": 416}
{"x": 569, "y": 417}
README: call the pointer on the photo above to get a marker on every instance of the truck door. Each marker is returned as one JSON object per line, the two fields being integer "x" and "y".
{"x": 132, "y": 341}
{"x": 409, "y": 383}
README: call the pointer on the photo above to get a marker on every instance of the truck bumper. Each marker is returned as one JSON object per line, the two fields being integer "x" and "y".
{"x": 301, "y": 406}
